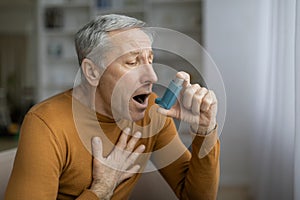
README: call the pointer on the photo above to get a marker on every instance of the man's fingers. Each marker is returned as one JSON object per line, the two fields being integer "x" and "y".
{"x": 130, "y": 172}
{"x": 97, "y": 148}
{"x": 198, "y": 100}
{"x": 132, "y": 158}
{"x": 170, "y": 113}
{"x": 140, "y": 149}
{"x": 132, "y": 142}
{"x": 188, "y": 95}
{"x": 123, "y": 139}
{"x": 208, "y": 100}
{"x": 196, "y": 103}
{"x": 185, "y": 76}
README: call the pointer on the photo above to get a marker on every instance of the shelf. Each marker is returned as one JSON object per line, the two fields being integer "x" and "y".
{"x": 59, "y": 32}
{"x": 61, "y": 60}
{"x": 59, "y": 20}
{"x": 174, "y": 1}
{"x": 132, "y": 9}
{"x": 67, "y": 5}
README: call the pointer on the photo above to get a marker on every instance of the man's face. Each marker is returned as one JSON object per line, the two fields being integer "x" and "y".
{"x": 127, "y": 81}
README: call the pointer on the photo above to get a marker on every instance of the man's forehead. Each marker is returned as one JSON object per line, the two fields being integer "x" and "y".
{"x": 130, "y": 40}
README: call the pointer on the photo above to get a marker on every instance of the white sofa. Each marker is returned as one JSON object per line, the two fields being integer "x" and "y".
{"x": 6, "y": 163}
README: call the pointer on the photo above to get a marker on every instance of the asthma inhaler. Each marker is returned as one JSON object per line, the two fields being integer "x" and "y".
{"x": 171, "y": 94}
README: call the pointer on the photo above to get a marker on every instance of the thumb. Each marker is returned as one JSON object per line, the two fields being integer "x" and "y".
{"x": 185, "y": 76}
{"x": 170, "y": 113}
{"x": 97, "y": 148}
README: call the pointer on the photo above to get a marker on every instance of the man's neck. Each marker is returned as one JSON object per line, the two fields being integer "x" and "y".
{"x": 88, "y": 97}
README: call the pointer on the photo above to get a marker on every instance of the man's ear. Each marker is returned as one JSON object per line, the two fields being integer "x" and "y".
{"x": 90, "y": 71}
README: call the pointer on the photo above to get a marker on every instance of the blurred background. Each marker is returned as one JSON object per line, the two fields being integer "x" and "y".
{"x": 254, "y": 43}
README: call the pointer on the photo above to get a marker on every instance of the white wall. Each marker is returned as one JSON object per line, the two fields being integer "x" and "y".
{"x": 234, "y": 34}
{"x": 297, "y": 137}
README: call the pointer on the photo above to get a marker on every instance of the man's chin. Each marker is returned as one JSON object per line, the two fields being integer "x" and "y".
{"x": 136, "y": 116}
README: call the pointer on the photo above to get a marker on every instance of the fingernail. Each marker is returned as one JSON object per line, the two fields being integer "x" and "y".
{"x": 138, "y": 134}
{"x": 96, "y": 140}
{"x": 143, "y": 147}
{"x": 127, "y": 130}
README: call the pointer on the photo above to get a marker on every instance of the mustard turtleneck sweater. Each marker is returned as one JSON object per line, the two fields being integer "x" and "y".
{"x": 54, "y": 159}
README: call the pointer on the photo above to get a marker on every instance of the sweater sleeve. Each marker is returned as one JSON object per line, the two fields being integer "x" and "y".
{"x": 191, "y": 175}
{"x": 38, "y": 164}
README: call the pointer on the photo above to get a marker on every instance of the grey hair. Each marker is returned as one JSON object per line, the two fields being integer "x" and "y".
{"x": 95, "y": 34}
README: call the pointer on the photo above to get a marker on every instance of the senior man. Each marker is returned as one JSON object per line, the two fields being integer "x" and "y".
{"x": 94, "y": 141}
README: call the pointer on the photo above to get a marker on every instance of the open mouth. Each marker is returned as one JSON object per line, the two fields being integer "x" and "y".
{"x": 141, "y": 98}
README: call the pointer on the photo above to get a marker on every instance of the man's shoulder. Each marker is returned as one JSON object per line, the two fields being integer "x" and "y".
{"x": 51, "y": 118}
{"x": 58, "y": 105}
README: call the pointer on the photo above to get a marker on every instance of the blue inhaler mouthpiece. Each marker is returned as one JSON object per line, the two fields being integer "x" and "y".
{"x": 171, "y": 94}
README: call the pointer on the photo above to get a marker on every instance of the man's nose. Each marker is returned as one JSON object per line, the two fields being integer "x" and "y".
{"x": 149, "y": 75}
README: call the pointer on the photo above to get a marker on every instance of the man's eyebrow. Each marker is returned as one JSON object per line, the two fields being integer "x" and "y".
{"x": 134, "y": 52}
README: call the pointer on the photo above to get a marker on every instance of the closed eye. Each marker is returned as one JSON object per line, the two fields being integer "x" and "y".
{"x": 131, "y": 63}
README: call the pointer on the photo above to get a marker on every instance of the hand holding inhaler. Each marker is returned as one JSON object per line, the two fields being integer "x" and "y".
{"x": 191, "y": 103}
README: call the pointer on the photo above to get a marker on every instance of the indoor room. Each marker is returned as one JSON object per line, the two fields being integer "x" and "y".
{"x": 246, "y": 51}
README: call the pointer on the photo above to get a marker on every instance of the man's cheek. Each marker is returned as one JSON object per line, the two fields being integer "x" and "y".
{"x": 121, "y": 96}
{"x": 130, "y": 79}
